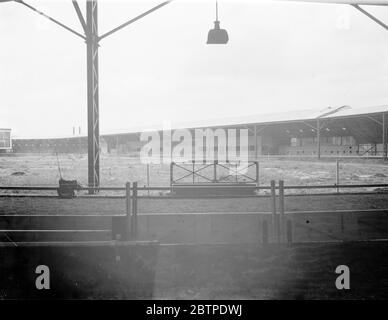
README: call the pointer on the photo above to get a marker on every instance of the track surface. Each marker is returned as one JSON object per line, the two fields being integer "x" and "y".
{"x": 36, "y": 205}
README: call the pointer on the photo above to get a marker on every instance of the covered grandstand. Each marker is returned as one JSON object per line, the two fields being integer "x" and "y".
{"x": 333, "y": 132}
{"x": 5, "y": 140}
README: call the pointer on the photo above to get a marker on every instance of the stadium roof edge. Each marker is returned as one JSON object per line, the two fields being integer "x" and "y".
{"x": 262, "y": 119}
{"x": 257, "y": 119}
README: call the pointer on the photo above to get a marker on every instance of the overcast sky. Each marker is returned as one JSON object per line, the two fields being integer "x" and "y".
{"x": 280, "y": 57}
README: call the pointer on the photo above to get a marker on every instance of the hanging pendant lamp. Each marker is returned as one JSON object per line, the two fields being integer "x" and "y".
{"x": 217, "y": 35}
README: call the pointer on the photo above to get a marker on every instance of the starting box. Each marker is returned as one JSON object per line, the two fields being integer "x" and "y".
{"x": 193, "y": 179}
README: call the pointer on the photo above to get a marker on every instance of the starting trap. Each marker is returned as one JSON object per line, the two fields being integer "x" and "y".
{"x": 194, "y": 179}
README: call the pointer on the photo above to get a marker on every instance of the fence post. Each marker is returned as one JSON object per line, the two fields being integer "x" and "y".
{"x": 282, "y": 226}
{"x": 337, "y": 177}
{"x": 134, "y": 211}
{"x": 289, "y": 232}
{"x": 128, "y": 208}
{"x": 171, "y": 173}
{"x": 273, "y": 207}
{"x": 257, "y": 173}
{"x": 193, "y": 171}
{"x": 215, "y": 171}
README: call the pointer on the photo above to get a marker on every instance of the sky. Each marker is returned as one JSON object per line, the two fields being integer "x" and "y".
{"x": 281, "y": 56}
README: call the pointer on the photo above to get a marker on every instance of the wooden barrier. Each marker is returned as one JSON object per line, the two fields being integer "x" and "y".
{"x": 273, "y": 208}
{"x": 282, "y": 226}
{"x": 134, "y": 212}
{"x": 233, "y": 227}
{"x": 200, "y": 228}
{"x": 16, "y": 228}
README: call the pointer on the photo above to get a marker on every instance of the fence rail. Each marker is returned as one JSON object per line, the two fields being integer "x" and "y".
{"x": 279, "y": 228}
{"x": 166, "y": 188}
{"x": 143, "y": 192}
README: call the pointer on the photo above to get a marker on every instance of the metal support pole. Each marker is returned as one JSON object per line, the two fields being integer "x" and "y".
{"x": 93, "y": 90}
{"x": 256, "y": 143}
{"x": 384, "y": 138}
{"x": 90, "y": 28}
{"x": 215, "y": 171}
{"x": 318, "y": 139}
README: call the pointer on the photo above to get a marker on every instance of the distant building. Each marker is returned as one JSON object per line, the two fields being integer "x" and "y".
{"x": 341, "y": 132}
{"x": 5, "y": 140}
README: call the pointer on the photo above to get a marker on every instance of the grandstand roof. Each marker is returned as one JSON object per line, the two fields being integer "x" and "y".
{"x": 258, "y": 119}
{"x": 289, "y": 116}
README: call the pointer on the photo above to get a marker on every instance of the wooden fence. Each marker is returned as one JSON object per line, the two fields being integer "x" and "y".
{"x": 276, "y": 226}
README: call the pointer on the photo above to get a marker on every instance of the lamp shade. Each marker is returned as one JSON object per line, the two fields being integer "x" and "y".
{"x": 217, "y": 35}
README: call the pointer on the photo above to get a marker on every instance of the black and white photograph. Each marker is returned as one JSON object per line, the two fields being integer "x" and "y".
{"x": 193, "y": 154}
